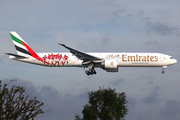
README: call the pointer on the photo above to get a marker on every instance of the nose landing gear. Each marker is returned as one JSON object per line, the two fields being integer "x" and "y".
{"x": 163, "y": 69}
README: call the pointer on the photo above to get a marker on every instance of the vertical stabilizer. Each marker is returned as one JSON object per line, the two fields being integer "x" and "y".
{"x": 22, "y": 48}
{"x": 18, "y": 43}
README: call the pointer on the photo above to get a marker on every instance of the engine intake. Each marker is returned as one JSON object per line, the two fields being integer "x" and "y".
{"x": 110, "y": 65}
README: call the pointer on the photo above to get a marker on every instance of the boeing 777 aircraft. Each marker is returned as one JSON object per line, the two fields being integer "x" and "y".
{"x": 76, "y": 58}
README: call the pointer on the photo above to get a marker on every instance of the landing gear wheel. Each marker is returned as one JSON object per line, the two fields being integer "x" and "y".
{"x": 87, "y": 72}
{"x": 90, "y": 72}
{"x": 163, "y": 70}
{"x": 94, "y": 72}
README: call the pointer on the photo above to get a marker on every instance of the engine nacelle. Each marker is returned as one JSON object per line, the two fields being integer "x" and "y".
{"x": 110, "y": 65}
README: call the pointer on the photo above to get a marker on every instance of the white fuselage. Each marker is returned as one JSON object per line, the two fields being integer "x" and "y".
{"x": 123, "y": 59}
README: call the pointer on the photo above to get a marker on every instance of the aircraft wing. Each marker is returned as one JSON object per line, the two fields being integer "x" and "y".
{"x": 82, "y": 55}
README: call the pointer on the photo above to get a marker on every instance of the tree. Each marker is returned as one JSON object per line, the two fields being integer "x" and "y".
{"x": 105, "y": 104}
{"x": 16, "y": 105}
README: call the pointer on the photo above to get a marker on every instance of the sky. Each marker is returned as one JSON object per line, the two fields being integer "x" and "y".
{"x": 95, "y": 26}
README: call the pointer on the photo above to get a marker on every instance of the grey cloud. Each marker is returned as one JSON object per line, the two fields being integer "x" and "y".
{"x": 105, "y": 40}
{"x": 141, "y": 13}
{"x": 172, "y": 108}
{"x": 141, "y": 116}
{"x": 160, "y": 28}
{"x": 84, "y": 94}
{"x": 146, "y": 19}
{"x": 152, "y": 97}
{"x": 149, "y": 78}
{"x": 153, "y": 43}
{"x": 47, "y": 91}
{"x": 131, "y": 103}
{"x": 117, "y": 82}
{"x": 3, "y": 57}
{"x": 153, "y": 46}
{"x": 118, "y": 13}
{"x": 129, "y": 15}
{"x": 134, "y": 115}
{"x": 99, "y": 43}
{"x": 101, "y": 39}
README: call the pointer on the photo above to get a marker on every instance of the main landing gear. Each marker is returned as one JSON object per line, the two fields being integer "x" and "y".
{"x": 163, "y": 69}
{"x": 91, "y": 70}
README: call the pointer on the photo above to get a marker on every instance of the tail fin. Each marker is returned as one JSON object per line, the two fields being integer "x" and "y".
{"x": 19, "y": 44}
{"x": 22, "y": 48}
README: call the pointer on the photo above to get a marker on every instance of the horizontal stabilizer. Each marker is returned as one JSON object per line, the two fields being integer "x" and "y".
{"x": 17, "y": 56}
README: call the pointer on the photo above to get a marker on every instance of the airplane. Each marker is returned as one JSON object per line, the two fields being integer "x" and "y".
{"x": 76, "y": 58}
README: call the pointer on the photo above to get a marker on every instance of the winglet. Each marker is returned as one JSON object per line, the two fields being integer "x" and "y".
{"x": 65, "y": 46}
{"x": 61, "y": 44}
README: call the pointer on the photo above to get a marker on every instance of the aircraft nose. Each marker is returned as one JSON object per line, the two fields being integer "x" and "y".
{"x": 174, "y": 61}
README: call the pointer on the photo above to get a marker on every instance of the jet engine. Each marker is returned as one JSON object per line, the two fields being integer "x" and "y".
{"x": 110, "y": 65}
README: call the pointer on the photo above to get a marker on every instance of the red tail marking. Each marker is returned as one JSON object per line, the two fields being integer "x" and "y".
{"x": 32, "y": 52}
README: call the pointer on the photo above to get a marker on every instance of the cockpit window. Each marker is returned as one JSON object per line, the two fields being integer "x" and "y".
{"x": 171, "y": 58}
